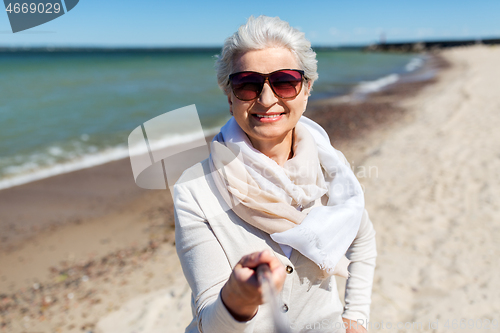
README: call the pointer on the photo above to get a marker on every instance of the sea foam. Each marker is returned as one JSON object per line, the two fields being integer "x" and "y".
{"x": 376, "y": 85}
{"x": 31, "y": 171}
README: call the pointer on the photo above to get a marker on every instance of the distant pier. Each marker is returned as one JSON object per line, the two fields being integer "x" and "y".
{"x": 428, "y": 46}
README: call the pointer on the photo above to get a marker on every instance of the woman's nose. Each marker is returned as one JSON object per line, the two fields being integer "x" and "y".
{"x": 267, "y": 96}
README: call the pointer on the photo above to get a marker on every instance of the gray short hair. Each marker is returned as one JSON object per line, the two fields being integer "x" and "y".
{"x": 260, "y": 33}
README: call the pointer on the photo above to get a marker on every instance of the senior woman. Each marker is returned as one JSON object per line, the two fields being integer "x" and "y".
{"x": 274, "y": 191}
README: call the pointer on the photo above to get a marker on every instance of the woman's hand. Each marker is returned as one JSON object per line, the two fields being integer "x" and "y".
{"x": 242, "y": 293}
{"x": 353, "y": 327}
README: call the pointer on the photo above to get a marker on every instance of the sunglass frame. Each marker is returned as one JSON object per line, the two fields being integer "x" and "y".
{"x": 266, "y": 78}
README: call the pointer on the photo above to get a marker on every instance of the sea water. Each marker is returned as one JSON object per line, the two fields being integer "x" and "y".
{"x": 63, "y": 111}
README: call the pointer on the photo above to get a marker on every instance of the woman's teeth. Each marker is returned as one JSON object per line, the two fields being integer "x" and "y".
{"x": 268, "y": 116}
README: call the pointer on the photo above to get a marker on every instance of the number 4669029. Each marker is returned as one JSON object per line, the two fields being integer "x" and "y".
{"x": 47, "y": 8}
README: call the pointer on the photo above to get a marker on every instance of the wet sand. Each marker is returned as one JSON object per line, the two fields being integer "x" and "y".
{"x": 93, "y": 248}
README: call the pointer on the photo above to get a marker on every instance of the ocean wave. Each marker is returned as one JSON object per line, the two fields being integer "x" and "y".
{"x": 44, "y": 165}
{"x": 414, "y": 64}
{"x": 367, "y": 87}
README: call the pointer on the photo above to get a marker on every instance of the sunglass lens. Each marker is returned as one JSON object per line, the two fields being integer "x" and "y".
{"x": 247, "y": 86}
{"x": 286, "y": 83}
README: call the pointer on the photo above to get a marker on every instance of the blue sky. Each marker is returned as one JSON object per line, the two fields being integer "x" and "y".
{"x": 155, "y": 23}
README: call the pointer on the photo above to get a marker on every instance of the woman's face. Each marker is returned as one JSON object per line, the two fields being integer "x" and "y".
{"x": 260, "y": 130}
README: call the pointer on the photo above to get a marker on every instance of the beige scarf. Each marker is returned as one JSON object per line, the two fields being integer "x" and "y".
{"x": 271, "y": 197}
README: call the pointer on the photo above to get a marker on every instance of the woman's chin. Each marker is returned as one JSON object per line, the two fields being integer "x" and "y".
{"x": 269, "y": 135}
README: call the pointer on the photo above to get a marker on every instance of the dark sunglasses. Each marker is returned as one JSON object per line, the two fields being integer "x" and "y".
{"x": 285, "y": 83}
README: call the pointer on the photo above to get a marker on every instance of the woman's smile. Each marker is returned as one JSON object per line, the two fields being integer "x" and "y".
{"x": 268, "y": 117}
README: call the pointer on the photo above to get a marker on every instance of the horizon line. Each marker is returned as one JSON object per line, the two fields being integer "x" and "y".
{"x": 51, "y": 48}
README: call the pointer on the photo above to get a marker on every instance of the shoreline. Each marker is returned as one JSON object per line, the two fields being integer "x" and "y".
{"x": 356, "y": 124}
{"x": 111, "y": 246}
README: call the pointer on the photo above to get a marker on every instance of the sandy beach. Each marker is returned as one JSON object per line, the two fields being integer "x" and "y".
{"x": 95, "y": 253}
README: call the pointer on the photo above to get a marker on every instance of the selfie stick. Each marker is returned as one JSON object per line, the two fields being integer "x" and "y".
{"x": 270, "y": 296}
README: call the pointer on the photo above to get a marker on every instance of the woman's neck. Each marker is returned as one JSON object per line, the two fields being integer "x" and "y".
{"x": 279, "y": 151}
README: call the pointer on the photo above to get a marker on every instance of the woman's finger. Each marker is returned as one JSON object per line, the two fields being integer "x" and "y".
{"x": 277, "y": 270}
{"x": 250, "y": 262}
{"x": 245, "y": 275}
{"x": 255, "y": 259}
{"x": 278, "y": 273}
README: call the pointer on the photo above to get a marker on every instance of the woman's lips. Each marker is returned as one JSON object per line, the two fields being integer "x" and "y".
{"x": 267, "y": 118}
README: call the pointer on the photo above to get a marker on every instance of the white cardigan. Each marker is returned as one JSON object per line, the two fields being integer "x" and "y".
{"x": 210, "y": 240}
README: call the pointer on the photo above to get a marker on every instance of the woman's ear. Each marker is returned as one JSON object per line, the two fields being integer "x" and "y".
{"x": 307, "y": 92}
{"x": 309, "y": 85}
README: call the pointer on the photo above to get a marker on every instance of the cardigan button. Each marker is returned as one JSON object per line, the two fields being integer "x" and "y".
{"x": 284, "y": 308}
{"x": 289, "y": 269}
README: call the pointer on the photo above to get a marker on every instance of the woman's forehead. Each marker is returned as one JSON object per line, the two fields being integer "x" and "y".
{"x": 265, "y": 60}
